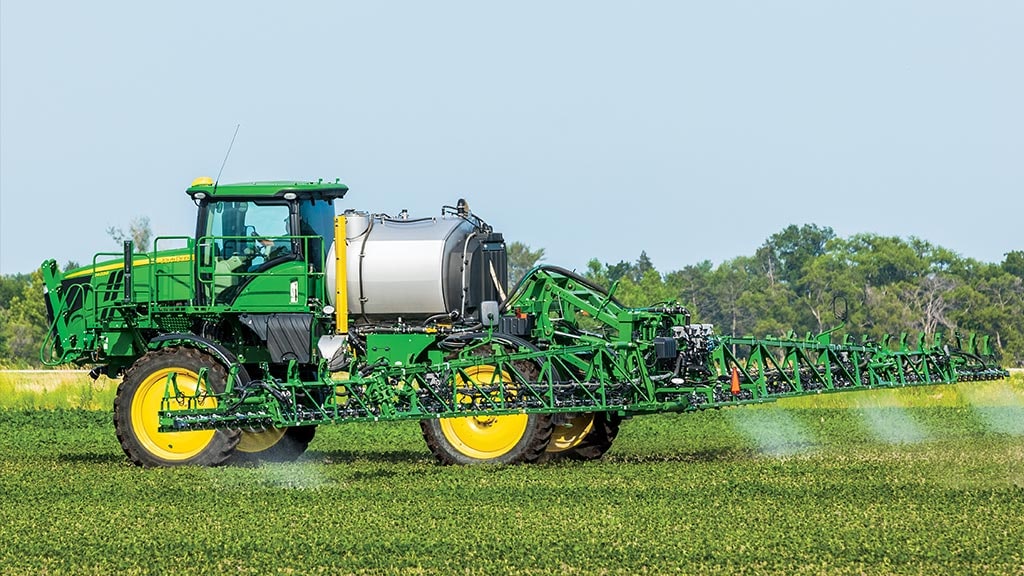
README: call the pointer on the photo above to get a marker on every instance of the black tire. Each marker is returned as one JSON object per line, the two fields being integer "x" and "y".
{"x": 524, "y": 439}
{"x": 529, "y": 448}
{"x": 291, "y": 444}
{"x": 136, "y": 407}
{"x": 599, "y": 440}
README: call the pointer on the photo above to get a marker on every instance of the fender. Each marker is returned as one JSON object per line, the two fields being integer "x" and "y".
{"x": 226, "y": 357}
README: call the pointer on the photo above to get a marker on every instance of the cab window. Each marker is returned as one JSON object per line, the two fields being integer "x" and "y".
{"x": 251, "y": 231}
{"x": 316, "y": 222}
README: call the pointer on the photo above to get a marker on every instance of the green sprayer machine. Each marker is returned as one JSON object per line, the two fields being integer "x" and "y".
{"x": 279, "y": 315}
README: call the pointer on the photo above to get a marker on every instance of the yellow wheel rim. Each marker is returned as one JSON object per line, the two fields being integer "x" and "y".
{"x": 566, "y": 437}
{"x": 145, "y": 408}
{"x": 253, "y": 442}
{"x": 484, "y": 437}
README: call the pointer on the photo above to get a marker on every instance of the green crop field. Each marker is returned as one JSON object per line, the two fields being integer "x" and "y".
{"x": 916, "y": 481}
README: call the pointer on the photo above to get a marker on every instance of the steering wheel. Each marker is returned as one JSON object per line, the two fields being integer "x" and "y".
{"x": 267, "y": 251}
{"x": 254, "y": 246}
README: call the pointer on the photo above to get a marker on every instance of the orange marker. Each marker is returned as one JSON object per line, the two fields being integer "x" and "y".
{"x": 735, "y": 381}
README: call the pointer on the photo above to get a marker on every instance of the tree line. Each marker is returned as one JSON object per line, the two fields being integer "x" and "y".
{"x": 802, "y": 277}
{"x": 792, "y": 282}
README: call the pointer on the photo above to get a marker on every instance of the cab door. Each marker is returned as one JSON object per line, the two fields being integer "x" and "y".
{"x": 250, "y": 258}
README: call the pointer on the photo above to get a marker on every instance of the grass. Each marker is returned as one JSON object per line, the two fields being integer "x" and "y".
{"x": 916, "y": 481}
{"x": 55, "y": 389}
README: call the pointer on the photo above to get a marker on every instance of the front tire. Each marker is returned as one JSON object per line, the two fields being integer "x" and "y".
{"x": 137, "y": 406}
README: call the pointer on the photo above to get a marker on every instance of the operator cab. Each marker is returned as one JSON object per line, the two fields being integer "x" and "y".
{"x": 245, "y": 231}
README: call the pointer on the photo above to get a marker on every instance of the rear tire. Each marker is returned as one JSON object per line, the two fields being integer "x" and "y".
{"x": 513, "y": 439}
{"x": 273, "y": 445}
{"x": 137, "y": 406}
{"x": 598, "y": 440}
{"x": 510, "y": 439}
{"x": 570, "y": 431}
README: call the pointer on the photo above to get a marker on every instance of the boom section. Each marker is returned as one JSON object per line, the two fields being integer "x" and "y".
{"x": 560, "y": 344}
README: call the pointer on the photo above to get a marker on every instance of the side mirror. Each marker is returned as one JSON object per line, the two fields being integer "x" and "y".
{"x": 490, "y": 313}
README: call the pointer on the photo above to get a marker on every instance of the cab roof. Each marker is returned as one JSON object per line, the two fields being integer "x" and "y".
{"x": 204, "y": 188}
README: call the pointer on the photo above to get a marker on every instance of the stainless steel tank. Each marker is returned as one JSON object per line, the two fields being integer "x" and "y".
{"x": 409, "y": 268}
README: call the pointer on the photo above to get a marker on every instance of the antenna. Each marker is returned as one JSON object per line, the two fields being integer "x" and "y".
{"x": 224, "y": 163}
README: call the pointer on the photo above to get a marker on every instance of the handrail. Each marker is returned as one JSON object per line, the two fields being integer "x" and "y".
{"x": 52, "y": 332}
{"x": 208, "y": 274}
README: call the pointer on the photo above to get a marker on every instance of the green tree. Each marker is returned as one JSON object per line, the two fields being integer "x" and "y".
{"x": 633, "y": 283}
{"x": 993, "y": 304}
{"x": 596, "y": 273}
{"x": 24, "y": 324}
{"x": 139, "y": 232}
{"x": 634, "y": 271}
{"x": 648, "y": 290}
{"x": 729, "y": 284}
{"x": 826, "y": 279}
{"x": 616, "y": 272}
{"x": 884, "y": 260}
{"x": 692, "y": 287}
{"x": 794, "y": 280}
{"x": 1014, "y": 263}
{"x": 784, "y": 255}
{"x": 10, "y": 286}
{"x": 520, "y": 260}
{"x": 930, "y": 304}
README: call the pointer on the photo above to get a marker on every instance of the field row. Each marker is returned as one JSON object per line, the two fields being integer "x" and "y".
{"x": 880, "y": 485}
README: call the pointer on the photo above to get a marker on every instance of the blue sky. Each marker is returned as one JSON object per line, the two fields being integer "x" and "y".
{"x": 691, "y": 130}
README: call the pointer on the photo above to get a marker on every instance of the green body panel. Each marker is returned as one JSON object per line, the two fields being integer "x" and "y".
{"x": 160, "y": 276}
{"x": 87, "y": 322}
{"x": 397, "y": 349}
{"x": 284, "y": 288}
{"x": 275, "y": 189}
